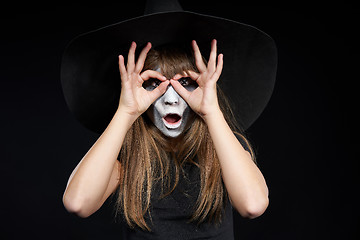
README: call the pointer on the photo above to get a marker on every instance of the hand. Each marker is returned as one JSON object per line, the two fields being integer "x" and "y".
{"x": 134, "y": 99}
{"x": 203, "y": 100}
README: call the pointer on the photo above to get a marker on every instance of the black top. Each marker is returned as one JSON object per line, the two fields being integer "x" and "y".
{"x": 170, "y": 215}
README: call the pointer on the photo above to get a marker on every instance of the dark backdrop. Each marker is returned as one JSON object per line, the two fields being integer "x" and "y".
{"x": 303, "y": 139}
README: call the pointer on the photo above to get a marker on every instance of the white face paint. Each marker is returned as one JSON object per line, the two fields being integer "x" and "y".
{"x": 170, "y": 113}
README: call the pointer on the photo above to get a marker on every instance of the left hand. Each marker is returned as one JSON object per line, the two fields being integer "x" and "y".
{"x": 203, "y": 100}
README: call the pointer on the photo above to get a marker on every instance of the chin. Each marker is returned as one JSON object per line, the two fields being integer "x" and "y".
{"x": 171, "y": 133}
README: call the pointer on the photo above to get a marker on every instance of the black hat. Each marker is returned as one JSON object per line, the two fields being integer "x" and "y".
{"x": 90, "y": 74}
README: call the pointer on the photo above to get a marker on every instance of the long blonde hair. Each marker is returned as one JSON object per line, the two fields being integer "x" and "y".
{"x": 147, "y": 156}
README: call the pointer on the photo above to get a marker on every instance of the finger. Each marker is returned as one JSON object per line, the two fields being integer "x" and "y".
{"x": 198, "y": 58}
{"x": 131, "y": 58}
{"x": 180, "y": 89}
{"x": 160, "y": 90}
{"x": 212, "y": 58}
{"x": 193, "y": 75}
{"x": 140, "y": 62}
{"x": 122, "y": 68}
{"x": 178, "y": 76}
{"x": 219, "y": 67}
{"x": 196, "y": 77}
{"x": 146, "y": 75}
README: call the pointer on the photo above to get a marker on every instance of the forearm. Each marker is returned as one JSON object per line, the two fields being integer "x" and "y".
{"x": 243, "y": 180}
{"x": 89, "y": 181}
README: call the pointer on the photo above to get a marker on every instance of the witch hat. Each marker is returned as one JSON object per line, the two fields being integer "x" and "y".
{"x": 90, "y": 75}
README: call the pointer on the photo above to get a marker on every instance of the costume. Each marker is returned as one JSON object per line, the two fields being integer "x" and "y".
{"x": 90, "y": 72}
{"x": 91, "y": 85}
{"x": 170, "y": 214}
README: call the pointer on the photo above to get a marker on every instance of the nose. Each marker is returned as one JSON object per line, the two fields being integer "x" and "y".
{"x": 171, "y": 97}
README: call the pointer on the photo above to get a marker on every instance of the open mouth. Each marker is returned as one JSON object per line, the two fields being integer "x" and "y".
{"x": 172, "y": 120}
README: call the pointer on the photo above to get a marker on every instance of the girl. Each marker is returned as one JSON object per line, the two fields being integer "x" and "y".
{"x": 181, "y": 166}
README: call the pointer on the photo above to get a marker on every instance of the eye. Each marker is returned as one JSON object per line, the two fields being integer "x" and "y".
{"x": 184, "y": 81}
{"x": 155, "y": 82}
{"x": 151, "y": 84}
{"x": 188, "y": 83}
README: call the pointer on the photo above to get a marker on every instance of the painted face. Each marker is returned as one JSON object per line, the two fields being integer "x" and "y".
{"x": 170, "y": 113}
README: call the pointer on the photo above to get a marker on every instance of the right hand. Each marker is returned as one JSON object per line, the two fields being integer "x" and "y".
{"x": 134, "y": 99}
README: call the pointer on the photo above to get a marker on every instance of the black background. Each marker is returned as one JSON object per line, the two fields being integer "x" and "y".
{"x": 304, "y": 139}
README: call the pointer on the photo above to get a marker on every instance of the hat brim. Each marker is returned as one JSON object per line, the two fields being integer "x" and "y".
{"x": 91, "y": 81}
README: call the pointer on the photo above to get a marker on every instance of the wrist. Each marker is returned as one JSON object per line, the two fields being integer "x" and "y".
{"x": 213, "y": 116}
{"x": 125, "y": 116}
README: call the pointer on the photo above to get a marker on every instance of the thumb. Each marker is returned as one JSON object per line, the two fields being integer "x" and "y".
{"x": 180, "y": 89}
{"x": 160, "y": 90}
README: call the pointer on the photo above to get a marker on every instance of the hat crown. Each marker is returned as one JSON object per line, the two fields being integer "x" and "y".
{"x": 157, "y": 6}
